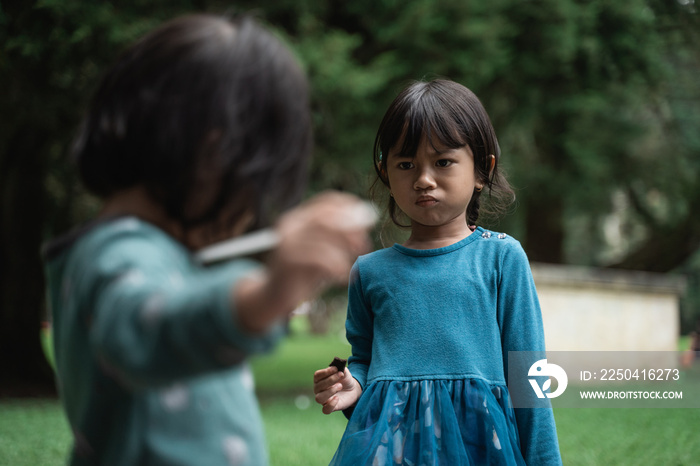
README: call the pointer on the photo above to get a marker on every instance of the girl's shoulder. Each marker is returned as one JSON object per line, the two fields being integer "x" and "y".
{"x": 497, "y": 240}
{"x": 481, "y": 238}
{"x": 494, "y": 236}
{"x": 484, "y": 244}
{"x": 380, "y": 256}
{"x": 98, "y": 233}
{"x": 502, "y": 252}
{"x": 114, "y": 243}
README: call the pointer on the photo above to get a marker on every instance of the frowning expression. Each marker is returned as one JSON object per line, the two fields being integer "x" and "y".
{"x": 434, "y": 186}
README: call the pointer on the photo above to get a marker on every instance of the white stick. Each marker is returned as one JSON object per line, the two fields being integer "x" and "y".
{"x": 362, "y": 216}
{"x": 252, "y": 243}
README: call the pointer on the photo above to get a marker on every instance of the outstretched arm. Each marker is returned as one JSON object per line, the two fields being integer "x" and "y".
{"x": 150, "y": 326}
{"x": 318, "y": 245}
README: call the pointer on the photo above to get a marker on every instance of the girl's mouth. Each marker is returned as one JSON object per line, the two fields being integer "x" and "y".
{"x": 425, "y": 201}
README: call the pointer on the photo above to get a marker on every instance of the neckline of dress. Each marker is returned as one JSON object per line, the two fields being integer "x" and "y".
{"x": 476, "y": 234}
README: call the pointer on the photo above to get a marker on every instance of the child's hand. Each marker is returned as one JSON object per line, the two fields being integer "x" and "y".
{"x": 319, "y": 242}
{"x": 335, "y": 390}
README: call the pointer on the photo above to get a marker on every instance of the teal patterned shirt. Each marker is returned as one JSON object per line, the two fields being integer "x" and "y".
{"x": 150, "y": 359}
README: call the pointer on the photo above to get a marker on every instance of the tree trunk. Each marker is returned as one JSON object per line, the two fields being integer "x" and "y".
{"x": 24, "y": 368}
{"x": 544, "y": 229}
{"x": 667, "y": 247}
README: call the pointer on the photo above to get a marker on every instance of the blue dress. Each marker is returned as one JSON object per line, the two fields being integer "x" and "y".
{"x": 430, "y": 331}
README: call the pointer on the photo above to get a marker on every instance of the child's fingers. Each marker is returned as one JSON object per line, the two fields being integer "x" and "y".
{"x": 317, "y": 247}
{"x": 340, "y": 401}
{"x": 347, "y": 380}
{"x": 324, "y": 373}
{"x": 345, "y": 227}
{"x": 331, "y": 261}
{"x": 322, "y": 383}
{"x": 339, "y": 395}
{"x": 330, "y": 406}
{"x": 337, "y": 218}
{"x": 324, "y": 396}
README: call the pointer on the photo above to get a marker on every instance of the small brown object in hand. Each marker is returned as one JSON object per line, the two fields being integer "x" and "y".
{"x": 339, "y": 363}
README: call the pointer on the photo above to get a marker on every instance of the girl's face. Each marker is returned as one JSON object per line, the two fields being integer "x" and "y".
{"x": 433, "y": 188}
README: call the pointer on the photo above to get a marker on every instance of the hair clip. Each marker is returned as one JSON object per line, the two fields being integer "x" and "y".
{"x": 380, "y": 156}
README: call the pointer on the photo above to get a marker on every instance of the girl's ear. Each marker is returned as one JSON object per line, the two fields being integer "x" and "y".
{"x": 382, "y": 171}
{"x": 492, "y": 163}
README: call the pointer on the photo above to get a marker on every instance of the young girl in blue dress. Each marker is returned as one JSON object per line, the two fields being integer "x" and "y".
{"x": 431, "y": 321}
{"x": 198, "y": 133}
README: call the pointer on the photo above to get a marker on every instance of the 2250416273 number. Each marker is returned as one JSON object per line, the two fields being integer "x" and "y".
{"x": 639, "y": 374}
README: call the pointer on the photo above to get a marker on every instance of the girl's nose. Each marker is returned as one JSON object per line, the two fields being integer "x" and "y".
{"x": 425, "y": 180}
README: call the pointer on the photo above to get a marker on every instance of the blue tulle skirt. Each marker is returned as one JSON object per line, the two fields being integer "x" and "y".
{"x": 431, "y": 422}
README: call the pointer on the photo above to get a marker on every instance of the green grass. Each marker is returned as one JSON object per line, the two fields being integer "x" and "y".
{"x": 297, "y": 432}
{"x": 303, "y": 437}
{"x": 34, "y": 432}
{"x": 628, "y": 436}
{"x": 290, "y": 370}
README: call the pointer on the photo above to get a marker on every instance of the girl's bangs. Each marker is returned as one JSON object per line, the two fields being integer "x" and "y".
{"x": 426, "y": 118}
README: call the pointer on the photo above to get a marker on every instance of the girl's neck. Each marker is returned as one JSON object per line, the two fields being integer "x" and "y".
{"x": 138, "y": 203}
{"x": 435, "y": 237}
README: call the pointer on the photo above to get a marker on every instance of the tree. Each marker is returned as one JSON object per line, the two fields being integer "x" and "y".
{"x": 52, "y": 53}
{"x": 665, "y": 197}
{"x": 595, "y": 104}
{"x": 581, "y": 94}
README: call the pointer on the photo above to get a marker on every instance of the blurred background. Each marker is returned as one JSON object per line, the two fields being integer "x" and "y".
{"x": 596, "y": 105}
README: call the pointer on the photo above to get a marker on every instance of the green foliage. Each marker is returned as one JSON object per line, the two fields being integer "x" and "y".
{"x": 578, "y": 92}
{"x": 595, "y": 104}
{"x": 55, "y": 52}
{"x": 573, "y": 87}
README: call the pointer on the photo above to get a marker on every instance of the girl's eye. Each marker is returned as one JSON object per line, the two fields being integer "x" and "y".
{"x": 405, "y": 165}
{"x": 443, "y": 163}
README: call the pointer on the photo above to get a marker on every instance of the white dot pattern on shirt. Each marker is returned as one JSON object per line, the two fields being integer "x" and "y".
{"x": 126, "y": 224}
{"x": 235, "y": 449}
{"x": 153, "y": 309}
{"x": 176, "y": 398}
{"x": 176, "y": 280}
{"x": 247, "y": 378}
{"x": 133, "y": 278}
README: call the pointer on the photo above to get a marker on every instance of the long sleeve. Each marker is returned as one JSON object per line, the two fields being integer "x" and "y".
{"x": 359, "y": 328}
{"x": 154, "y": 319}
{"x": 150, "y": 356}
{"x": 520, "y": 321}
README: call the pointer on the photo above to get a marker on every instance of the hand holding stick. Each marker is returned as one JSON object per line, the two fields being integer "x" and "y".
{"x": 359, "y": 216}
{"x": 314, "y": 247}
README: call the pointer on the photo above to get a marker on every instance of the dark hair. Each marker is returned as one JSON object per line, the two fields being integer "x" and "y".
{"x": 447, "y": 113}
{"x": 209, "y": 114}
